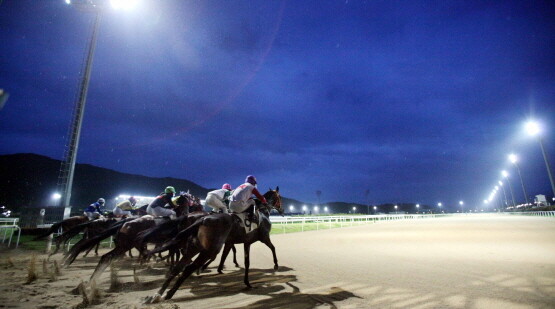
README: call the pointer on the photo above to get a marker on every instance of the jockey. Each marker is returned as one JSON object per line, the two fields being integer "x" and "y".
{"x": 156, "y": 208}
{"x": 218, "y": 199}
{"x": 124, "y": 208}
{"x": 93, "y": 211}
{"x": 241, "y": 200}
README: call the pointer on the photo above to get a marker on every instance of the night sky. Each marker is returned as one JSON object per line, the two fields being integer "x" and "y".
{"x": 415, "y": 101}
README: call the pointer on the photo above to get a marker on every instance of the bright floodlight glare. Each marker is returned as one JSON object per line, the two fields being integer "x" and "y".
{"x": 500, "y": 183}
{"x": 513, "y": 158}
{"x": 375, "y": 207}
{"x": 56, "y": 196}
{"x": 505, "y": 174}
{"x": 291, "y": 208}
{"x": 123, "y": 4}
{"x": 461, "y": 202}
{"x": 315, "y": 208}
{"x": 417, "y": 205}
{"x": 496, "y": 188}
{"x": 533, "y": 128}
{"x": 486, "y": 201}
{"x": 439, "y": 204}
{"x": 354, "y": 208}
{"x": 68, "y": 1}
{"x": 395, "y": 206}
{"x": 304, "y": 207}
{"x": 326, "y": 208}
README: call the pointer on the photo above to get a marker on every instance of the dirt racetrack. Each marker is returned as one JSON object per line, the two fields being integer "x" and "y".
{"x": 475, "y": 261}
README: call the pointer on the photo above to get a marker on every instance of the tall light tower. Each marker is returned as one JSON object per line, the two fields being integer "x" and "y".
{"x": 533, "y": 129}
{"x": 514, "y": 159}
{"x": 506, "y": 175}
{"x": 67, "y": 169}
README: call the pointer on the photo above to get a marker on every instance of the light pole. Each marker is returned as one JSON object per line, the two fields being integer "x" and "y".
{"x": 67, "y": 169}
{"x": 417, "y": 207}
{"x": 533, "y": 129}
{"x": 395, "y": 209}
{"x": 375, "y": 209}
{"x": 514, "y": 159}
{"x": 504, "y": 192}
{"x": 506, "y": 175}
{"x": 462, "y": 207}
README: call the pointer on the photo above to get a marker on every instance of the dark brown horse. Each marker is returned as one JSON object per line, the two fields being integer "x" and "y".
{"x": 207, "y": 236}
{"x": 238, "y": 235}
{"x": 64, "y": 225}
{"x": 90, "y": 229}
{"x": 126, "y": 237}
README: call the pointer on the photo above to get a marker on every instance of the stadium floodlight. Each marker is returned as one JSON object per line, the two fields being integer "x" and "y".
{"x": 291, "y": 208}
{"x": 304, "y": 207}
{"x": 513, "y": 158}
{"x": 439, "y": 204}
{"x": 316, "y": 208}
{"x": 375, "y": 207}
{"x": 533, "y": 128}
{"x": 326, "y": 208}
{"x": 506, "y": 175}
{"x": 56, "y": 196}
{"x": 395, "y": 206}
{"x": 68, "y": 1}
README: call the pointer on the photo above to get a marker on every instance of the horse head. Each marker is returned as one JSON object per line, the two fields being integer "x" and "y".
{"x": 274, "y": 200}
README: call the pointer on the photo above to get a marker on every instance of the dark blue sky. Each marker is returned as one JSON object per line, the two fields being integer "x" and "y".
{"x": 417, "y": 101}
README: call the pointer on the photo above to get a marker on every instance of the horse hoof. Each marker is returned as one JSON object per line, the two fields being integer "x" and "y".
{"x": 220, "y": 272}
{"x": 276, "y": 267}
{"x": 153, "y": 299}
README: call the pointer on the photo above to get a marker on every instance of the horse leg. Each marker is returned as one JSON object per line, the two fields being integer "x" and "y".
{"x": 247, "y": 247}
{"x": 172, "y": 273}
{"x": 189, "y": 269}
{"x": 234, "y": 256}
{"x": 224, "y": 256}
{"x": 268, "y": 243}
{"x": 130, "y": 254}
{"x": 96, "y": 249}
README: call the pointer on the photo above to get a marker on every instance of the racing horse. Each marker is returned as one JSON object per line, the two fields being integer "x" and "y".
{"x": 64, "y": 225}
{"x": 207, "y": 236}
{"x": 126, "y": 237}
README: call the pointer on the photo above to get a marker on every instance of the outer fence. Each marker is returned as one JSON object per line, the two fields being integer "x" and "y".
{"x": 533, "y": 213}
{"x": 301, "y": 224}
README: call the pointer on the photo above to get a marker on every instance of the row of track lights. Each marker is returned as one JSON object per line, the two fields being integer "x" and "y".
{"x": 534, "y": 129}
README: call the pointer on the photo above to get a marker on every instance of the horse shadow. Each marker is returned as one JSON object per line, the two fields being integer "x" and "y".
{"x": 279, "y": 288}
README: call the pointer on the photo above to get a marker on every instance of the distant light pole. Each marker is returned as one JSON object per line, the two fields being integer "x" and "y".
{"x": 417, "y": 206}
{"x": 504, "y": 193}
{"x": 291, "y": 208}
{"x": 533, "y": 129}
{"x": 514, "y": 159}
{"x": 395, "y": 208}
{"x": 375, "y": 209}
{"x": 462, "y": 207}
{"x": 326, "y": 208}
{"x": 354, "y": 209}
{"x": 506, "y": 175}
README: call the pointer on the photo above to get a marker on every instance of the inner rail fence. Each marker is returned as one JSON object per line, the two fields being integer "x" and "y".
{"x": 281, "y": 225}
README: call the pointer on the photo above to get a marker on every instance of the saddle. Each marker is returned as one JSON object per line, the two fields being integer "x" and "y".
{"x": 250, "y": 224}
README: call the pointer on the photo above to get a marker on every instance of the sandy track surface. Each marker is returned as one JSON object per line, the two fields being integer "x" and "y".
{"x": 479, "y": 261}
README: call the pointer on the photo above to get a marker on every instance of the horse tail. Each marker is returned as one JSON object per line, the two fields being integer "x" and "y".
{"x": 178, "y": 239}
{"x": 51, "y": 230}
{"x": 85, "y": 244}
{"x": 106, "y": 260}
